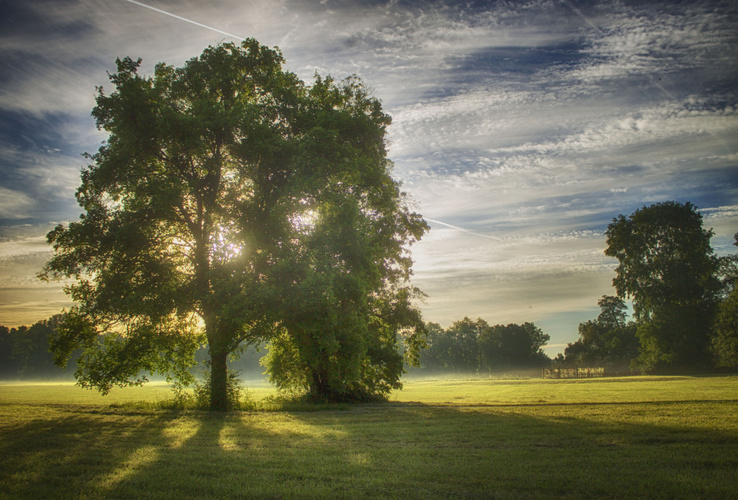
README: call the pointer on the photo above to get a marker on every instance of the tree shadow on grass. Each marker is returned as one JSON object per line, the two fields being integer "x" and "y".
{"x": 67, "y": 450}
{"x": 391, "y": 450}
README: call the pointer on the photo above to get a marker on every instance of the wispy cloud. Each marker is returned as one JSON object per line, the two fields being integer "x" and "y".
{"x": 14, "y": 204}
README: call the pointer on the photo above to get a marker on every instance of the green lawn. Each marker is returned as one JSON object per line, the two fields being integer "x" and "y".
{"x": 635, "y": 437}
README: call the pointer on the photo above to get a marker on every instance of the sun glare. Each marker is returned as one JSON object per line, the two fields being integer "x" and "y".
{"x": 224, "y": 246}
{"x": 304, "y": 222}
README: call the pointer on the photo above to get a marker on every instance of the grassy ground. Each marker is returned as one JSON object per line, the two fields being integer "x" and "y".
{"x": 617, "y": 438}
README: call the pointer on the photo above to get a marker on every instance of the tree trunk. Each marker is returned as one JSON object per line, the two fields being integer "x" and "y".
{"x": 320, "y": 389}
{"x": 218, "y": 379}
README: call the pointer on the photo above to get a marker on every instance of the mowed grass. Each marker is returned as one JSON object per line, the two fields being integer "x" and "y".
{"x": 657, "y": 437}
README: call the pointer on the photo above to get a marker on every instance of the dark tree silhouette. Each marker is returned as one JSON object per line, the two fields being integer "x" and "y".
{"x": 668, "y": 269}
{"x": 609, "y": 341}
{"x": 473, "y": 345}
{"x": 231, "y": 204}
{"x": 725, "y": 341}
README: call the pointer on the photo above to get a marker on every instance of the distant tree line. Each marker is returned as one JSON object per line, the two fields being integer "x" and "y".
{"x": 476, "y": 346}
{"x": 24, "y": 352}
{"x": 466, "y": 346}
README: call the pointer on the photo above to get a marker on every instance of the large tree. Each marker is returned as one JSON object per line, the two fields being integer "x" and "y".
{"x": 231, "y": 204}
{"x": 668, "y": 268}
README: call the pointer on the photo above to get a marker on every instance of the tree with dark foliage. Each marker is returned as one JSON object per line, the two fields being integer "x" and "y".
{"x": 725, "y": 340}
{"x": 609, "y": 341}
{"x": 233, "y": 204}
{"x": 24, "y": 351}
{"x": 513, "y": 346}
{"x": 668, "y": 268}
{"x": 473, "y": 346}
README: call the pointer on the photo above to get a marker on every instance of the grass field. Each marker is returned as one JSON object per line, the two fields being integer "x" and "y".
{"x": 657, "y": 437}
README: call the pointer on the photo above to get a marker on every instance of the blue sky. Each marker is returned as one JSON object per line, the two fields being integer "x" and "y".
{"x": 520, "y": 129}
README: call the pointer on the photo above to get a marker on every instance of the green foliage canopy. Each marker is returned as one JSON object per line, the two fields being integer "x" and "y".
{"x": 474, "y": 345}
{"x": 230, "y": 204}
{"x": 609, "y": 341}
{"x": 512, "y": 346}
{"x": 725, "y": 340}
{"x": 24, "y": 351}
{"x": 668, "y": 268}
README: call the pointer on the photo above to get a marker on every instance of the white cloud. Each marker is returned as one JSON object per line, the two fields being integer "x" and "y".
{"x": 651, "y": 41}
{"x": 615, "y": 153}
{"x": 23, "y": 247}
{"x": 25, "y": 299}
{"x": 503, "y": 281}
{"x": 14, "y": 204}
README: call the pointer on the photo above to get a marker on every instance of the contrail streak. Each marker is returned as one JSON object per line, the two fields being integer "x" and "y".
{"x": 582, "y": 16}
{"x": 462, "y": 229}
{"x": 185, "y": 20}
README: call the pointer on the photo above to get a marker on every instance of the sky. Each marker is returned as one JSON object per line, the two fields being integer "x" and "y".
{"x": 520, "y": 128}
